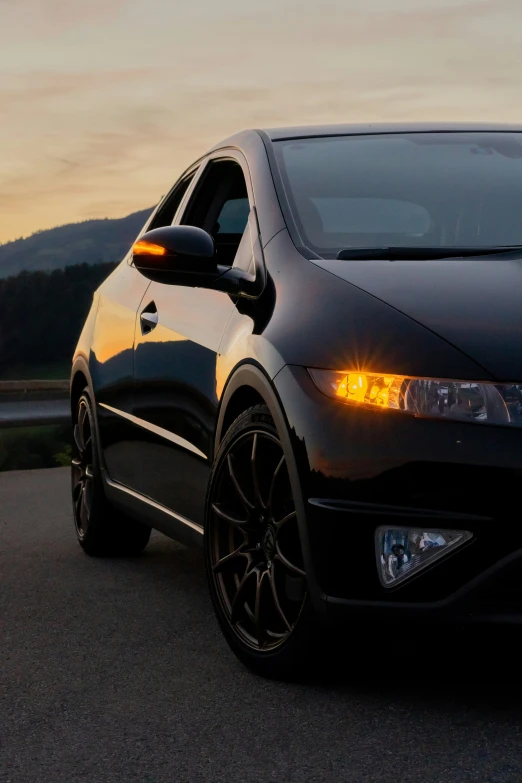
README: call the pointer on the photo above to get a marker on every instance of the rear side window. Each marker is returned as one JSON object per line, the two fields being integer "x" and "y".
{"x": 167, "y": 211}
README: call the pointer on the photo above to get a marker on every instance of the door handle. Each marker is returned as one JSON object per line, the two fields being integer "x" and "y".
{"x": 149, "y": 318}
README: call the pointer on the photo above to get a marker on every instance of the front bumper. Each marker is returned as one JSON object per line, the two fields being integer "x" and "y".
{"x": 359, "y": 469}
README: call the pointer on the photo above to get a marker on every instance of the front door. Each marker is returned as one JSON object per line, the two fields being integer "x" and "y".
{"x": 178, "y": 333}
{"x": 111, "y": 365}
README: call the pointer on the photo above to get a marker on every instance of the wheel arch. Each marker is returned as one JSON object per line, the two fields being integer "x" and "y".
{"x": 243, "y": 398}
{"x": 80, "y": 378}
{"x": 248, "y": 385}
{"x": 250, "y": 382}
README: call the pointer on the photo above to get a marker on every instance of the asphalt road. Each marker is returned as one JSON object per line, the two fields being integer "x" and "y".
{"x": 115, "y": 671}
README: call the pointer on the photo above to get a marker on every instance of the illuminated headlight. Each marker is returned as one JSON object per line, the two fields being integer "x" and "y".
{"x": 403, "y": 552}
{"x": 490, "y": 403}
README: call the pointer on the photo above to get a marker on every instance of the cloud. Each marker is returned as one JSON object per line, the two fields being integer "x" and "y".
{"x": 52, "y": 17}
{"x": 132, "y": 156}
{"x": 130, "y": 159}
{"x": 30, "y": 87}
{"x": 104, "y": 104}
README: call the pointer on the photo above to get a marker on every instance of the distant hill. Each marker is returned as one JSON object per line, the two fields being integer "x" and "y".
{"x": 90, "y": 242}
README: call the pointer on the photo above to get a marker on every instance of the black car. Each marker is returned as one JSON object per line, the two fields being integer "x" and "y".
{"x": 310, "y": 363}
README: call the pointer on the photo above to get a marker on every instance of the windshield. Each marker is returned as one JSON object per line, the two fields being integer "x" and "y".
{"x": 404, "y": 190}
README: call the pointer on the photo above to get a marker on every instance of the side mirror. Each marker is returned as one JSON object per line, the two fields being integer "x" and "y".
{"x": 179, "y": 255}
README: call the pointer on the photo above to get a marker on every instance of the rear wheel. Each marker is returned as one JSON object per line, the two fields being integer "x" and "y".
{"x": 100, "y": 528}
{"x": 253, "y": 552}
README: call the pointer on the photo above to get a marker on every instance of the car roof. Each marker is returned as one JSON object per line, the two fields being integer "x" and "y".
{"x": 303, "y": 131}
{"x": 309, "y": 131}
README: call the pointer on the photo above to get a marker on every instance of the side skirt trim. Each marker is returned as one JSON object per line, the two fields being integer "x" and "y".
{"x": 149, "y": 512}
{"x": 163, "y": 433}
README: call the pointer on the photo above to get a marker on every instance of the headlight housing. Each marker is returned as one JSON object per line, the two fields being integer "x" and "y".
{"x": 473, "y": 401}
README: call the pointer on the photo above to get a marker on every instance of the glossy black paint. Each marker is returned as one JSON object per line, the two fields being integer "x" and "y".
{"x": 215, "y": 352}
{"x": 473, "y": 304}
{"x": 175, "y": 389}
{"x": 189, "y": 259}
{"x": 111, "y": 366}
{"x": 384, "y": 466}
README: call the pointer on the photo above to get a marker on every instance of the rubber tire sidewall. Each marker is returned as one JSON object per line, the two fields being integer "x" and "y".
{"x": 109, "y": 532}
{"x": 301, "y": 653}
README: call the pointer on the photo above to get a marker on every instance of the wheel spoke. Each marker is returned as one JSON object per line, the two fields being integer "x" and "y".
{"x": 84, "y": 510}
{"x": 78, "y": 499}
{"x": 78, "y": 489}
{"x": 276, "y": 600}
{"x": 228, "y": 517}
{"x": 82, "y": 469}
{"x": 281, "y": 522}
{"x": 76, "y": 473}
{"x": 81, "y": 417}
{"x": 272, "y": 483}
{"x": 255, "y": 476}
{"x": 286, "y": 562}
{"x": 225, "y": 561}
{"x": 251, "y": 493}
{"x": 243, "y": 498}
{"x": 238, "y": 604}
{"x": 260, "y": 631}
{"x": 78, "y": 438}
{"x": 87, "y": 496}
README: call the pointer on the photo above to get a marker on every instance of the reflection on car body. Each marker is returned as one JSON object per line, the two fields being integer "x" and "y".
{"x": 310, "y": 363}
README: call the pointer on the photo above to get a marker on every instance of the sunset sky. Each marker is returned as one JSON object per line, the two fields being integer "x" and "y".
{"x": 104, "y": 102}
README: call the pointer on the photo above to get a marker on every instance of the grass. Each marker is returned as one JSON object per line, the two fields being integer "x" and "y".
{"x": 48, "y": 446}
{"x": 23, "y": 448}
{"x": 41, "y": 372}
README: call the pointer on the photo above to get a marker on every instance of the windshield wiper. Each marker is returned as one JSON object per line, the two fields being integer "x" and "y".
{"x": 421, "y": 253}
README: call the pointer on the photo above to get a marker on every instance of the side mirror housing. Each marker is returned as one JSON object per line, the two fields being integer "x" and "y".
{"x": 179, "y": 255}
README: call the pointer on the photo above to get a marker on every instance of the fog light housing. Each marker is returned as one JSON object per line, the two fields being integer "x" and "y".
{"x": 403, "y": 552}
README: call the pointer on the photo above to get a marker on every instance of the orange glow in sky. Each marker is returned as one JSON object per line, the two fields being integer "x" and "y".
{"x": 105, "y": 102}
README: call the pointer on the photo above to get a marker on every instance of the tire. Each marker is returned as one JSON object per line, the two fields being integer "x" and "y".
{"x": 101, "y": 529}
{"x": 253, "y": 555}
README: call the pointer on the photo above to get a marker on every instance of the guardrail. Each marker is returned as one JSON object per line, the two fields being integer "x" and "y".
{"x": 31, "y": 403}
{"x": 9, "y": 387}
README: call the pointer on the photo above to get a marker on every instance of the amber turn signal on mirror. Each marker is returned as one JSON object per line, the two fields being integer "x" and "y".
{"x": 143, "y": 248}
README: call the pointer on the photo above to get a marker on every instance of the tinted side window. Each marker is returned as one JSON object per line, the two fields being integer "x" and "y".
{"x": 220, "y": 206}
{"x": 234, "y": 216}
{"x": 165, "y": 215}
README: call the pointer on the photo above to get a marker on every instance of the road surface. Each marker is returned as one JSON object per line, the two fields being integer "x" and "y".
{"x": 114, "y": 671}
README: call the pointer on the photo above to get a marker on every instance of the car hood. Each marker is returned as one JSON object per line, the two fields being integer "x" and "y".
{"x": 474, "y": 304}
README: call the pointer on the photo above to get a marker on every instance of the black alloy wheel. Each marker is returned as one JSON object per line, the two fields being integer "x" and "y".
{"x": 82, "y": 474}
{"x": 101, "y": 529}
{"x": 253, "y": 550}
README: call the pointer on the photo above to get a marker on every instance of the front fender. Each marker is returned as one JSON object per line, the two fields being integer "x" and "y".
{"x": 255, "y": 378}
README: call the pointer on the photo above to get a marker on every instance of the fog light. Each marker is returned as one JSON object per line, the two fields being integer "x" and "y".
{"x": 403, "y": 552}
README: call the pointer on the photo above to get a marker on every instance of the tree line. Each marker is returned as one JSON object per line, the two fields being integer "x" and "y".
{"x": 42, "y": 314}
